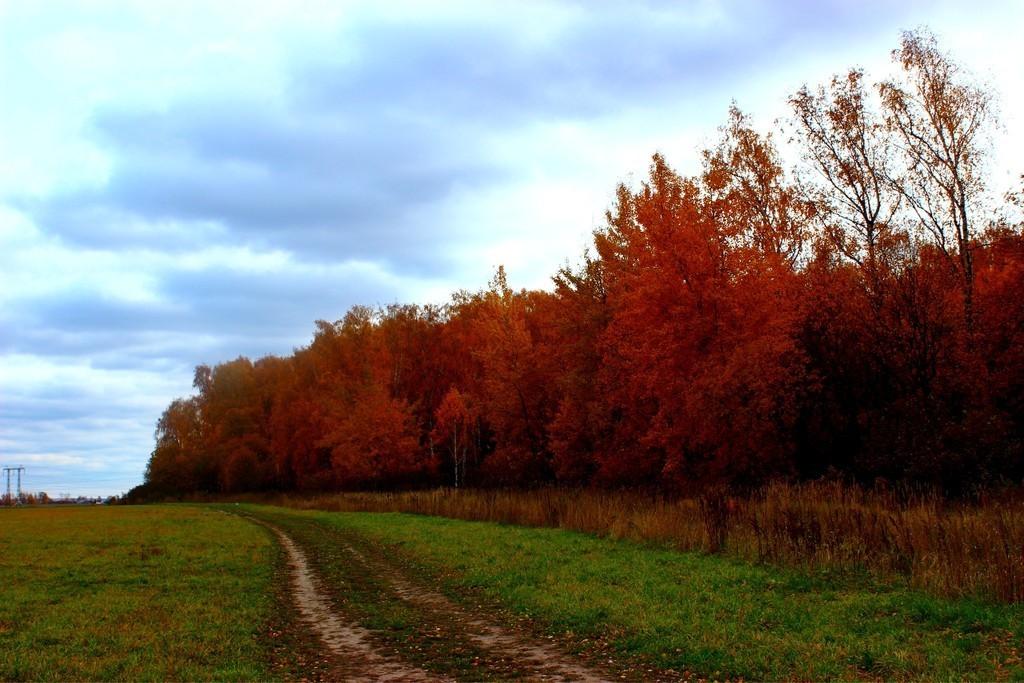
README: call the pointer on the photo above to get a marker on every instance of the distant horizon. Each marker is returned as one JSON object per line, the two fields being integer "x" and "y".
{"x": 36, "y": 484}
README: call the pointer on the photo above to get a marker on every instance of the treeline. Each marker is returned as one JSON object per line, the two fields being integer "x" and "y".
{"x": 861, "y": 316}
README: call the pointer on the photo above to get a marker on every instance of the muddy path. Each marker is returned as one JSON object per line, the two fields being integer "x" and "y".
{"x": 375, "y": 620}
{"x": 542, "y": 660}
{"x": 349, "y": 645}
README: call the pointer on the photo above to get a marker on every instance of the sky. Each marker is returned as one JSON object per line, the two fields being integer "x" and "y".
{"x": 186, "y": 182}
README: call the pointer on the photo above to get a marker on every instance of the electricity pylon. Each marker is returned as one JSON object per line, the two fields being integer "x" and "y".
{"x": 7, "y": 471}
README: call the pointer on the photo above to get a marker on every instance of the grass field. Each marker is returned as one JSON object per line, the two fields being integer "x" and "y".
{"x": 132, "y": 593}
{"x": 187, "y": 593}
{"x": 686, "y": 612}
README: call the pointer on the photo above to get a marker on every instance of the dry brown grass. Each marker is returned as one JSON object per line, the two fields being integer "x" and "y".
{"x": 953, "y": 549}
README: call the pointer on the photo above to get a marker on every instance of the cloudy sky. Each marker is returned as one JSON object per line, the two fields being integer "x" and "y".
{"x": 188, "y": 182}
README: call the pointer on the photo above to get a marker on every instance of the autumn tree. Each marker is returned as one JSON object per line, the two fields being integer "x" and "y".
{"x": 374, "y": 443}
{"x": 941, "y": 120}
{"x": 580, "y": 431}
{"x": 453, "y": 428}
{"x": 661, "y": 262}
{"x": 747, "y": 188}
{"x": 514, "y": 393}
{"x": 177, "y": 464}
{"x": 849, "y": 154}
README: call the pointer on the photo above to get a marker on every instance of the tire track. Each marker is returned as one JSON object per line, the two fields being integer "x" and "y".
{"x": 543, "y": 661}
{"x": 351, "y": 644}
{"x": 354, "y": 647}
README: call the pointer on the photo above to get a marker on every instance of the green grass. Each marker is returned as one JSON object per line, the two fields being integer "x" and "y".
{"x": 696, "y": 613}
{"x": 133, "y": 593}
{"x": 184, "y": 593}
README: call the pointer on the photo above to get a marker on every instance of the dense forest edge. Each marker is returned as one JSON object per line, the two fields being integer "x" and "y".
{"x": 859, "y": 317}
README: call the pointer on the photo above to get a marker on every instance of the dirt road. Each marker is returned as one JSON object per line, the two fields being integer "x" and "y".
{"x": 347, "y": 643}
{"x": 435, "y": 639}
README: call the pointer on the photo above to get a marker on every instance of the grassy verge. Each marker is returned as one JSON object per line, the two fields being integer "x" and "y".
{"x": 133, "y": 593}
{"x": 953, "y": 549}
{"x": 691, "y": 612}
